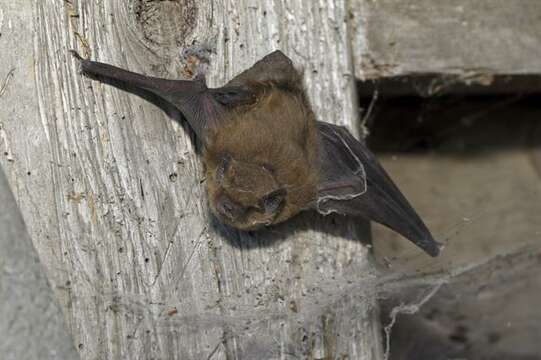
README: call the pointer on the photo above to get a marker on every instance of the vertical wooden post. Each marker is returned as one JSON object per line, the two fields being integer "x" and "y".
{"x": 115, "y": 203}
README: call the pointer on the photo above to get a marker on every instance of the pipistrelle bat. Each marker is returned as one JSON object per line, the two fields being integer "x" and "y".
{"x": 267, "y": 157}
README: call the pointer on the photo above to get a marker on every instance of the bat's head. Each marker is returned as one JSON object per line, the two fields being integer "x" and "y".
{"x": 243, "y": 194}
{"x": 261, "y": 163}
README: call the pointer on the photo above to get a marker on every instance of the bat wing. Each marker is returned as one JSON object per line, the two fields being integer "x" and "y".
{"x": 352, "y": 182}
{"x": 192, "y": 98}
{"x": 202, "y": 107}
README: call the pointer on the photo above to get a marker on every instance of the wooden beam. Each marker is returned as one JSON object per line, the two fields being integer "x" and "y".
{"x": 114, "y": 199}
{"x": 464, "y": 37}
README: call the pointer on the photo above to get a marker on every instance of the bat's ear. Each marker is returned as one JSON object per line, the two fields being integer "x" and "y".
{"x": 274, "y": 67}
{"x": 352, "y": 182}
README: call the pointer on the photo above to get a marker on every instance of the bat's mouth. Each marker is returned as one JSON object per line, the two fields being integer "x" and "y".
{"x": 235, "y": 215}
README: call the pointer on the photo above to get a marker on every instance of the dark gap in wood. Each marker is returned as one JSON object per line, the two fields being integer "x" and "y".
{"x": 423, "y": 113}
{"x": 437, "y": 84}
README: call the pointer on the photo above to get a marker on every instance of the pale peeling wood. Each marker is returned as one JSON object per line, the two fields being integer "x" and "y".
{"x": 32, "y": 325}
{"x": 116, "y": 206}
{"x": 465, "y": 37}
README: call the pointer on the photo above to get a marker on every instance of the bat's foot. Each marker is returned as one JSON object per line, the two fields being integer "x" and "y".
{"x": 198, "y": 51}
{"x": 196, "y": 60}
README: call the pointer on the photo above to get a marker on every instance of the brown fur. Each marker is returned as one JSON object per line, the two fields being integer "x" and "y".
{"x": 261, "y": 145}
{"x": 272, "y": 145}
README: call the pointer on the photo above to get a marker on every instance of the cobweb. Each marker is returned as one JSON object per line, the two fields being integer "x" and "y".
{"x": 478, "y": 300}
{"x": 422, "y": 306}
{"x": 451, "y": 307}
{"x": 447, "y": 298}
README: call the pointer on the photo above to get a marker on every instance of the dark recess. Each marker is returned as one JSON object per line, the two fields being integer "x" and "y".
{"x": 441, "y": 114}
{"x": 431, "y": 112}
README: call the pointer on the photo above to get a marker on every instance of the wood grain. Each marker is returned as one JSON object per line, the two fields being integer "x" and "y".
{"x": 114, "y": 197}
{"x": 32, "y": 325}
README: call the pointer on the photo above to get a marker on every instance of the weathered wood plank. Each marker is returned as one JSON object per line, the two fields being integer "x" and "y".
{"x": 115, "y": 202}
{"x": 32, "y": 325}
{"x": 465, "y": 37}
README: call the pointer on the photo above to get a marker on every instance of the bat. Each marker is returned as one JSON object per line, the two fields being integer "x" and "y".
{"x": 266, "y": 156}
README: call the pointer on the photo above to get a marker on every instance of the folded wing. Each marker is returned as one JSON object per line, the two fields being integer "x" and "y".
{"x": 352, "y": 182}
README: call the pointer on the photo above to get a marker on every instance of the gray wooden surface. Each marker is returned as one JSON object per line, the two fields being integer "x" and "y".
{"x": 32, "y": 325}
{"x": 113, "y": 194}
{"x": 465, "y": 37}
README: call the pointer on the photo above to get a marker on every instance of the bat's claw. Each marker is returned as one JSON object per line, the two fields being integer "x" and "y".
{"x": 76, "y": 55}
{"x": 201, "y": 53}
{"x": 80, "y": 60}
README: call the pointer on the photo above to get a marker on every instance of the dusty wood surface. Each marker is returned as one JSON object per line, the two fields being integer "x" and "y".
{"x": 32, "y": 325}
{"x": 113, "y": 194}
{"x": 466, "y": 37}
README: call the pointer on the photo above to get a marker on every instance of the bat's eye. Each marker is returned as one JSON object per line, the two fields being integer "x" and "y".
{"x": 268, "y": 168}
{"x": 273, "y": 201}
{"x": 222, "y": 169}
{"x": 227, "y": 208}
